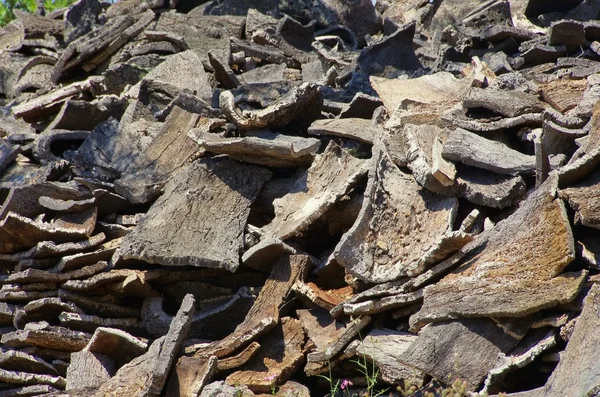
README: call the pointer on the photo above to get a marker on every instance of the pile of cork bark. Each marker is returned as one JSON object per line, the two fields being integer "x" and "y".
{"x": 232, "y": 198}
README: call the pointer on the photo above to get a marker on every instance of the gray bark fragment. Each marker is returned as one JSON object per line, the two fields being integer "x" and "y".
{"x": 332, "y": 175}
{"x": 193, "y": 201}
{"x": 399, "y": 222}
{"x": 474, "y": 150}
{"x": 465, "y": 349}
{"x": 261, "y": 147}
{"x": 507, "y": 103}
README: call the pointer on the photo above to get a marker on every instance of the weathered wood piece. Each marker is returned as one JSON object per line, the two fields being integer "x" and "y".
{"x": 264, "y": 313}
{"x": 586, "y": 379}
{"x": 43, "y": 104}
{"x": 563, "y": 94}
{"x": 332, "y": 175}
{"x": 497, "y": 257}
{"x": 361, "y": 130}
{"x": 261, "y": 147}
{"x": 330, "y": 336}
{"x": 191, "y": 375}
{"x": 507, "y": 103}
{"x": 89, "y": 370}
{"x": 324, "y": 299}
{"x": 384, "y": 347}
{"x": 434, "y": 88}
{"x": 464, "y": 349}
{"x": 181, "y": 72}
{"x": 474, "y": 150}
{"x": 88, "y": 45}
{"x": 381, "y": 246}
{"x": 276, "y": 361}
{"x": 25, "y": 378}
{"x": 583, "y": 199}
{"x": 239, "y": 359}
{"x": 120, "y": 346}
{"x": 168, "y": 151}
{"x": 60, "y": 339}
{"x": 301, "y": 102}
{"x": 14, "y": 360}
{"x": 147, "y": 374}
{"x": 18, "y": 232}
{"x": 221, "y": 181}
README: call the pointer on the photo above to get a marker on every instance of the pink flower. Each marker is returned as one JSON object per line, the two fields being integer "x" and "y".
{"x": 270, "y": 378}
{"x": 346, "y": 383}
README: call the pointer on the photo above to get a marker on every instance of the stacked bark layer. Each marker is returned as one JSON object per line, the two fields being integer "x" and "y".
{"x": 233, "y": 198}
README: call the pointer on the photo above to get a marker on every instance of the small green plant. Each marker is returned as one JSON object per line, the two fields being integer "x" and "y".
{"x": 271, "y": 378}
{"x": 333, "y": 387}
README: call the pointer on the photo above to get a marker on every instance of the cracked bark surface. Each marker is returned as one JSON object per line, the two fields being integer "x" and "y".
{"x": 190, "y": 206}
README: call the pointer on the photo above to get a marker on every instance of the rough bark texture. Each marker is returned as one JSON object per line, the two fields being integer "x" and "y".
{"x": 498, "y": 258}
{"x": 192, "y": 204}
{"x": 331, "y": 175}
{"x": 399, "y": 221}
{"x": 474, "y": 150}
{"x": 265, "y": 311}
{"x": 276, "y": 361}
{"x": 464, "y": 349}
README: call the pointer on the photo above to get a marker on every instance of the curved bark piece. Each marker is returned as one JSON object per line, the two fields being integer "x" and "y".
{"x": 474, "y": 150}
{"x": 297, "y": 103}
{"x": 261, "y": 147}
{"x": 332, "y": 175}
{"x": 398, "y": 223}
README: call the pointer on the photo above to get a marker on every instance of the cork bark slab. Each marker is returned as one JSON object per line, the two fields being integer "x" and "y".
{"x": 512, "y": 270}
{"x": 398, "y": 224}
{"x": 200, "y": 218}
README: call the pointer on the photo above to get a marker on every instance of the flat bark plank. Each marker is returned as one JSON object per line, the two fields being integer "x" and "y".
{"x": 89, "y": 370}
{"x": 474, "y": 150}
{"x": 464, "y": 349}
{"x": 525, "y": 254}
{"x": 488, "y": 188}
{"x": 25, "y": 378}
{"x": 564, "y": 94}
{"x": 192, "y": 203}
{"x": 261, "y": 147}
{"x": 331, "y": 176}
{"x": 438, "y": 87}
{"x": 65, "y": 340}
{"x": 169, "y": 150}
{"x": 182, "y": 71}
{"x": 511, "y": 103}
{"x": 18, "y": 232}
{"x": 277, "y": 360}
{"x": 361, "y": 130}
{"x": 399, "y": 223}
{"x": 264, "y": 313}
